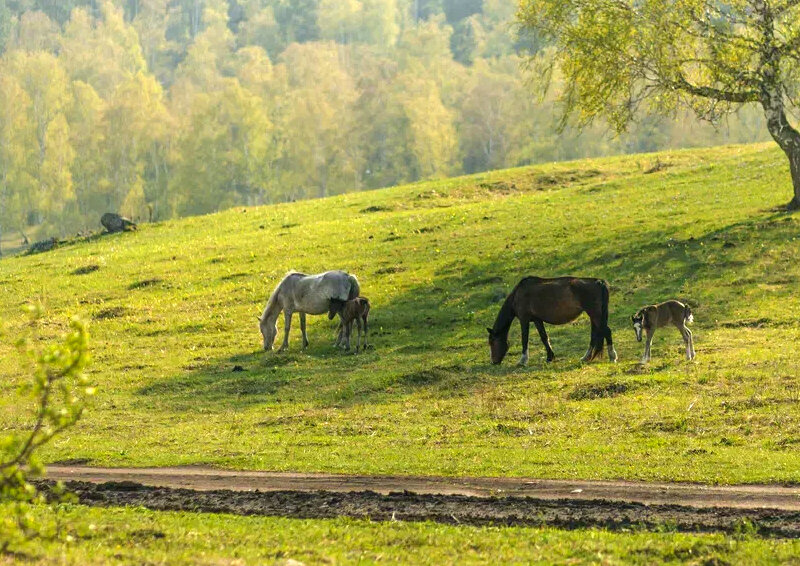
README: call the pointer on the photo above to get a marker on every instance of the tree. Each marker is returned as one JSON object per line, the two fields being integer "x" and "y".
{"x": 221, "y": 157}
{"x": 16, "y": 149}
{"x": 6, "y": 24}
{"x": 316, "y": 120}
{"x": 712, "y": 56}
{"x": 36, "y": 32}
{"x": 136, "y": 125}
{"x": 486, "y": 119}
{"x": 103, "y": 52}
{"x": 40, "y": 74}
{"x": 430, "y": 130}
{"x": 59, "y": 391}
{"x": 86, "y": 117}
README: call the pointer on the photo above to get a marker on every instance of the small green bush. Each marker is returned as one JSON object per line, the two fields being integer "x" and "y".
{"x": 58, "y": 389}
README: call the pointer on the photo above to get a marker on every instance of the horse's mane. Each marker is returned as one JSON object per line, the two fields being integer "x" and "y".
{"x": 274, "y": 296}
{"x": 505, "y": 317}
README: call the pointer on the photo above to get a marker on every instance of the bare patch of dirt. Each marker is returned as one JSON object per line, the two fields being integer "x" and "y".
{"x": 598, "y": 391}
{"x": 378, "y": 208}
{"x": 755, "y": 323}
{"x": 450, "y": 509}
{"x": 86, "y": 269}
{"x": 390, "y": 270}
{"x": 109, "y": 313}
{"x": 143, "y": 284}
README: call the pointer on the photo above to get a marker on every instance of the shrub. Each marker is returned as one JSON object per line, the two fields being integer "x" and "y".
{"x": 58, "y": 390}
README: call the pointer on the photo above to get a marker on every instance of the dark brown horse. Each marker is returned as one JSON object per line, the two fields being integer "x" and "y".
{"x": 554, "y": 301}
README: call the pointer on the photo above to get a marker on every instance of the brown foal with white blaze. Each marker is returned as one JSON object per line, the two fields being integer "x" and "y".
{"x": 355, "y": 310}
{"x": 663, "y": 314}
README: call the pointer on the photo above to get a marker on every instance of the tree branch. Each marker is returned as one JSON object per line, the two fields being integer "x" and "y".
{"x": 740, "y": 97}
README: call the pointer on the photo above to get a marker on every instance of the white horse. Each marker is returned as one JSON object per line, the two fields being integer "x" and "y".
{"x": 304, "y": 294}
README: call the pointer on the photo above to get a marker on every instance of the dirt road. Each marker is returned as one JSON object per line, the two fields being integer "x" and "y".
{"x": 770, "y": 510}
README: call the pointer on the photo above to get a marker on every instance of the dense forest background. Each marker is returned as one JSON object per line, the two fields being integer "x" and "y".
{"x": 160, "y": 108}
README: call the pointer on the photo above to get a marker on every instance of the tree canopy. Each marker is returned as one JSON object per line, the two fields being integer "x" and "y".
{"x": 157, "y": 108}
{"x": 621, "y": 56}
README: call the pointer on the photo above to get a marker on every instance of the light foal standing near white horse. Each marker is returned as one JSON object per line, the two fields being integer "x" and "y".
{"x": 304, "y": 294}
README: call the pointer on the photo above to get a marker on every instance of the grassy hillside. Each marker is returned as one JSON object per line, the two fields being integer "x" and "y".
{"x": 172, "y": 311}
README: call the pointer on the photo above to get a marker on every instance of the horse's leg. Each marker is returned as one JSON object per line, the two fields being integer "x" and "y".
{"x": 545, "y": 340}
{"x": 647, "y": 343}
{"x": 287, "y": 325}
{"x": 303, "y": 329}
{"x": 612, "y": 353}
{"x": 591, "y": 353}
{"x": 366, "y": 345}
{"x": 358, "y": 343}
{"x": 526, "y": 326}
{"x": 348, "y": 329}
{"x": 687, "y": 340}
{"x": 339, "y": 334}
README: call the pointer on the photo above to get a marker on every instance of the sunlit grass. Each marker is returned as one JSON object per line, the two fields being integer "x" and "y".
{"x": 138, "y": 536}
{"x": 172, "y": 311}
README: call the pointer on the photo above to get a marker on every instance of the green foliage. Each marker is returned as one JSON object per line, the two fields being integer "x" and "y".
{"x": 713, "y": 57}
{"x": 57, "y": 391}
{"x": 123, "y": 104}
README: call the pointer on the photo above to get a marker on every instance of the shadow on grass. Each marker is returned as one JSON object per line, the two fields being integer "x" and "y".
{"x": 429, "y": 341}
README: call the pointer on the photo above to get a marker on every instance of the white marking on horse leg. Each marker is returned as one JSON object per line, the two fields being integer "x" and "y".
{"x": 687, "y": 339}
{"x": 523, "y": 361}
{"x": 612, "y": 354}
{"x": 588, "y": 355}
{"x": 646, "y": 355}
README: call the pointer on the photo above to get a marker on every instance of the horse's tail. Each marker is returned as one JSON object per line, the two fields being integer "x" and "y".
{"x": 688, "y": 317}
{"x": 355, "y": 289}
{"x": 604, "y": 304}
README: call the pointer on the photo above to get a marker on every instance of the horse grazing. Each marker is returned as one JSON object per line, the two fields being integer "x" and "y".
{"x": 663, "y": 314}
{"x": 355, "y": 310}
{"x": 304, "y": 294}
{"x": 554, "y": 301}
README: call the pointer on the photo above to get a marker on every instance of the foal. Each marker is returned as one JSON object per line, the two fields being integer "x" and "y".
{"x": 355, "y": 310}
{"x": 663, "y": 314}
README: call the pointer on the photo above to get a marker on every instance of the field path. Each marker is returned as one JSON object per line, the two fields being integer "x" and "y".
{"x": 211, "y": 479}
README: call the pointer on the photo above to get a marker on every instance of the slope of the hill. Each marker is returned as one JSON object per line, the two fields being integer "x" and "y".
{"x": 172, "y": 311}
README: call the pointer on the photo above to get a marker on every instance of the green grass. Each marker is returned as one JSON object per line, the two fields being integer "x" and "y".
{"x": 172, "y": 311}
{"x": 138, "y": 536}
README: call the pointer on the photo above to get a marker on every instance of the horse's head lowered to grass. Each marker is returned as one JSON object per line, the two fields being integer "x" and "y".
{"x": 498, "y": 344}
{"x": 269, "y": 330}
